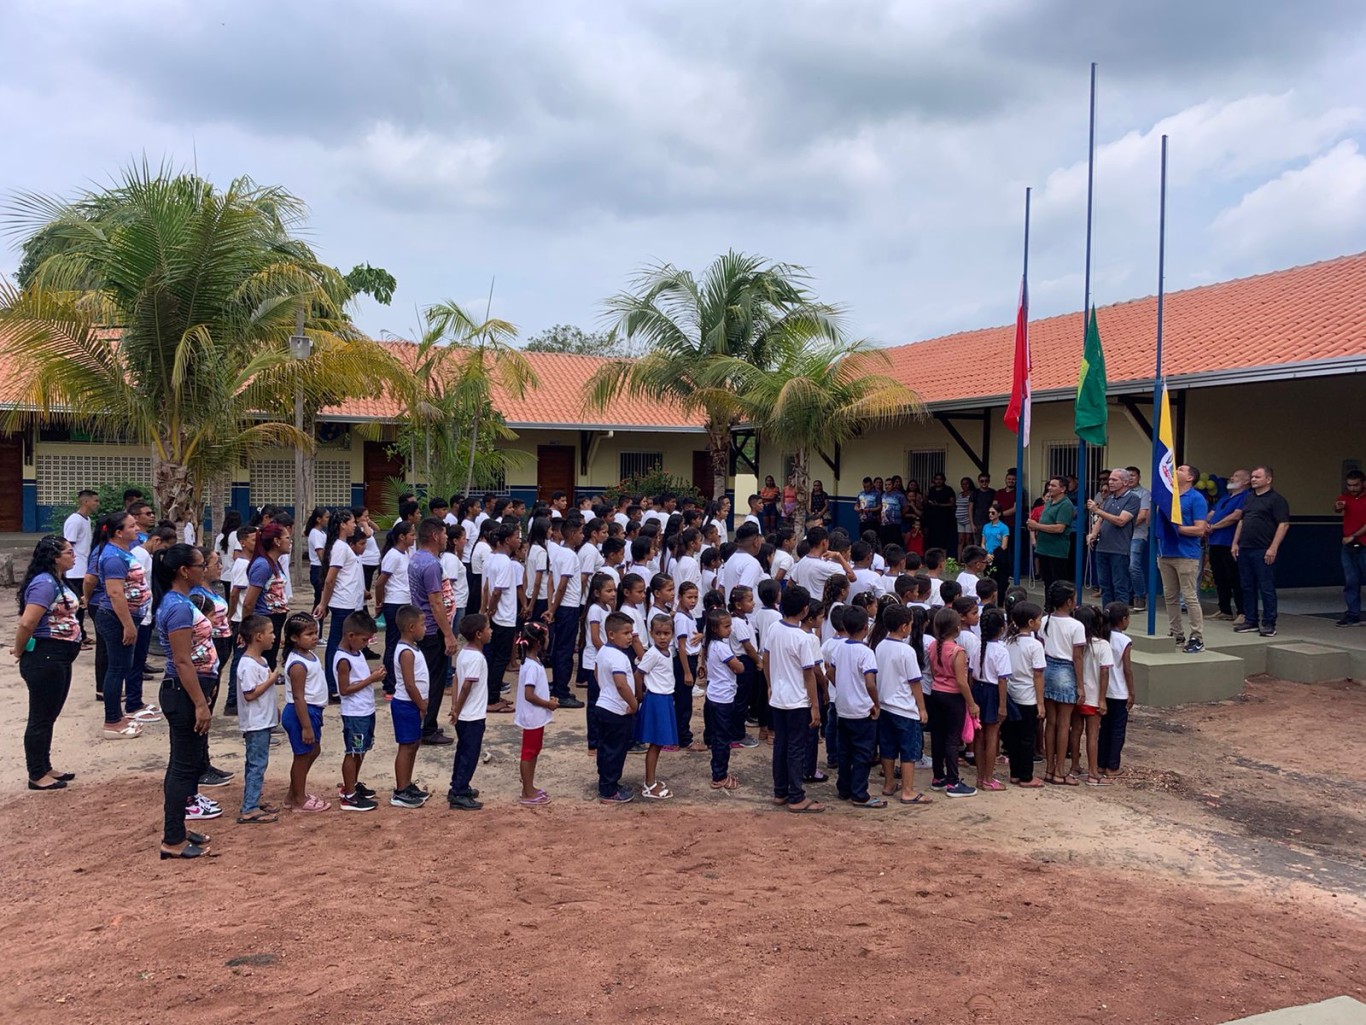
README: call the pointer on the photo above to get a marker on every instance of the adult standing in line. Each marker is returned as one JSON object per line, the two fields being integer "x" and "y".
{"x": 939, "y": 516}
{"x": 819, "y": 514}
{"x": 45, "y": 645}
{"x": 431, "y": 592}
{"x": 742, "y": 569}
{"x": 1352, "y": 505}
{"x": 1222, "y": 523}
{"x": 1052, "y": 530}
{"x": 78, "y": 530}
{"x": 1007, "y": 498}
{"x": 343, "y": 587}
{"x": 1178, "y": 560}
{"x": 983, "y": 498}
{"x": 118, "y": 594}
{"x": 266, "y": 594}
{"x": 868, "y": 507}
{"x": 1138, "y": 547}
{"x": 891, "y": 531}
{"x": 1256, "y": 543}
{"x": 962, "y": 512}
{"x": 191, "y": 661}
{"x": 1110, "y": 536}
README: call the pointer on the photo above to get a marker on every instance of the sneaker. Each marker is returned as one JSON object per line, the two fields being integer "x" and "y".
{"x": 363, "y": 791}
{"x": 1245, "y": 628}
{"x": 225, "y": 773}
{"x": 638, "y": 749}
{"x": 213, "y": 779}
{"x": 746, "y": 742}
{"x": 1219, "y": 615}
{"x": 1348, "y": 620}
{"x": 1267, "y": 631}
{"x": 465, "y": 803}
{"x": 403, "y": 799}
{"x": 937, "y": 784}
{"x": 1180, "y": 639}
{"x": 207, "y": 803}
{"x": 1194, "y": 646}
{"x": 571, "y": 702}
{"x": 357, "y": 802}
{"x": 417, "y": 791}
{"x": 960, "y": 790}
{"x": 622, "y": 796}
{"x": 437, "y": 739}
{"x": 196, "y": 812}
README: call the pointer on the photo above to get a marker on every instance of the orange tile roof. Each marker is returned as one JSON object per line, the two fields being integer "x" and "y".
{"x": 557, "y": 402}
{"x": 1308, "y": 314}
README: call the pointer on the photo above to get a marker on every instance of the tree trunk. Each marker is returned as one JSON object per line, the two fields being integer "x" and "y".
{"x": 718, "y": 442}
{"x": 801, "y": 483}
{"x": 474, "y": 445}
{"x": 173, "y": 486}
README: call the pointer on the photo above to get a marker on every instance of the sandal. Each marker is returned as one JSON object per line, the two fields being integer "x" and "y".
{"x": 1070, "y": 781}
{"x": 807, "y": 807}
{"x": 541, "y": 798}
{"x": 991, "y": 784}
{"x": 261, "y": 816}
{"x": 146, "y": 715}
{"x": 1098, "y": 781}
{"x": 918, "y": 799}
{"x": 314, "y": 804}
{"x": 122, "y": 732}
{"x": 1032, "y": 784}
{"x": 501, "y": 708}
{"x": 697, "y": 747}
{"x": 872, "y": 802}
{"x": 729, "y": 783}
{"x": 657, "y": 792}
{"x": 269, "y": 809}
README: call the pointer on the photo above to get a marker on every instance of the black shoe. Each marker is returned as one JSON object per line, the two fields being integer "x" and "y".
{"x": 371, "y": 653}
{"x": 212, "y": 779}
{"x": 1194, "y": 646}
{"x": 65, "y": 777}
{"x": 1348, "y": 620}
{"x": 636, "y": 749}
{"x": 198, "y": 839}
{"x": 334, "y": 699}
{"x": 363, "y": 791}
{"x": 416, "y": 791}
{"x": 1246, "y": 628}
{"x": 437, "y": 739}
{"x": 229, "y": 710}
{"x": 55, "y": 785}
{"x": 225, "y": 773}
{"x": 570, "y": 702}
{"x": 1267, "y": 631}
{"x": 463, "y": 803}
{"x": 190, "y": 851}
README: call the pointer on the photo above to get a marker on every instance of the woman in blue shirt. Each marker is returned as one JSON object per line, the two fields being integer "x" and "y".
{"x": 118, "y": 599}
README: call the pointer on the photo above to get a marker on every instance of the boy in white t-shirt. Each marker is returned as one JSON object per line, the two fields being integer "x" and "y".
{"x": 469, "y": 710}
{"x": 356, "y": 685}
{"x": 616, "y": 707}
{"x": 256, "y": 715}
{"x": 409, "y": 705}
{"x": 900, "y": 721}
{"x": 856, "y": 704}
{"x": 1119, "y": 697}
{"x": 790, "y": 668}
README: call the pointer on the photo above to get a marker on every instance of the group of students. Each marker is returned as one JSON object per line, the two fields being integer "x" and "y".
{"x": 826, "y": 638}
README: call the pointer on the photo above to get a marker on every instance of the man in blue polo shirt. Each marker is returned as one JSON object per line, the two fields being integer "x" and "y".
{"x": 1178, "y": 558}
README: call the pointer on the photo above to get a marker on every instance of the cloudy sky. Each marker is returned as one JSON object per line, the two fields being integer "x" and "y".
{"x": 558, "y": 147}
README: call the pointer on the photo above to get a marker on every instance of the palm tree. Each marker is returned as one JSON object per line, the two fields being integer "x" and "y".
{"x": 160, "y": 314}
{"x": 686, "y": 327}
{"x": 818, "y": 391}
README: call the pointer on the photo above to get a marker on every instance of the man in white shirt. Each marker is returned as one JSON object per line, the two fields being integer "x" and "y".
{"x": 819, "y": 564}
{"x": 566, "y": 600}
{"x": 790, "y": 669}
{"x": 77, "y": 530}
{"x": 742, "y": 568}
{"x": 500, "y": 605}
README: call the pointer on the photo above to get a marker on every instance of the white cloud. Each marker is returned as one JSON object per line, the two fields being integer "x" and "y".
{"x": 1304, "y": 213}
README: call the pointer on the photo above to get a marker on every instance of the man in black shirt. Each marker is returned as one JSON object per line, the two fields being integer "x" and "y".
{"x": 938, "y": 517}
{"x": 1256, "y": 542}
{"x": 982, "y": 498}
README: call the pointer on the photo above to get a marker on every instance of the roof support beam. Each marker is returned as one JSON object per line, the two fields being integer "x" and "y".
{"x": 585, "y": 439}
{"x": 1179, "y": 414}
{"x": 1130, "y": 403}
{"x": 834, "y": 464}
{"x": 983, "y": 461}
{"x": 743, "y": 442}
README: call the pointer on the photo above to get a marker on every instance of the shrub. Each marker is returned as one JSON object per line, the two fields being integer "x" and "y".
{"x": 652, "y": 482}
{"x": 111, "y": 497}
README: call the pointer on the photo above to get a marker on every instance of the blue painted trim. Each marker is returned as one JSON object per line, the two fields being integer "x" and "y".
{"x": 240, "y": 498}
{"x": 357, "y": 495}
{"x": 29, "y": 517}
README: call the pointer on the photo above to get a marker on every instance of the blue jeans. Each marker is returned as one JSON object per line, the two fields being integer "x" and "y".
{"x": 564, "y": 630}
{"x": 119, "y": 664}
{"x": 791, "y": 741}
{"x": 858, "y": 737}
{"x": 615, "y": 734}
{"x": 1138, "y": 566}
{"x": 132, "y": 697}
{"x": 254, "y": 778}
{"x": 336, "y": 619}
{"x": 1353, "y": 577}
{"x": 717, "y": 717}
{"x": 469, "y": 741}
{"x": 1259, "y": 581}
{"x": 1112, "y": 577}
{"x": 1114, "y": 726}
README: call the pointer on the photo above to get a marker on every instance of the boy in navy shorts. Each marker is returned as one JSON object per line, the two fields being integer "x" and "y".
{"x": 356, "y": 685}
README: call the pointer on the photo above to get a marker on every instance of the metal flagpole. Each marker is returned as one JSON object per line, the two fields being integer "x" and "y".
{"x": 1020, "y": 477}
{"x": 1082, "y": 475}
{"x": 1157, "y": 387}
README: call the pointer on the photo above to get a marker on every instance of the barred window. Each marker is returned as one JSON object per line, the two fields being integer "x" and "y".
{"x": 922, "y": 465}
{"x": 1062, "y": 461}
{"x": 633, "y": 463}
{"x": 61, "y": 477}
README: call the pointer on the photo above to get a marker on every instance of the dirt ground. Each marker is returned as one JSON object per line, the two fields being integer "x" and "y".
{"x": 1227, "y": 876}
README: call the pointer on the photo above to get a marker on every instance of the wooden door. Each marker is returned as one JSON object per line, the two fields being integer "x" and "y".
{"x": 380, "y": 467}
{"x": 11, "y": 482}
{"x": 554, "y": 471}
{"x": 702, "y": 477}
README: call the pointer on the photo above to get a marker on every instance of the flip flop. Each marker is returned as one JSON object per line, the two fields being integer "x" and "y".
{"x": 1070, "y": 781}
{"x": 872, "y": 802}
{"x": 541, "y": 798}
{"x": 918, "y": 799}
{"x": 991, "y": 784}
{"x": 1097, "y": 781}
{"x": 1032, "y": 784}
{"x": 807, "y": 807}
{"x": 264, "y": 817}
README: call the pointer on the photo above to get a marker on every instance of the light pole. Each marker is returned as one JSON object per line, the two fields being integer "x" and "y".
{"x": 300, "y": 349}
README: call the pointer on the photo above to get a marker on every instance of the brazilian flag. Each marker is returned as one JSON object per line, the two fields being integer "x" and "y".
{"x": 1091, "y": 415}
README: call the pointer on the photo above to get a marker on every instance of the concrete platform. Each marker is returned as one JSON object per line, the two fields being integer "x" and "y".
{"x": 1175, "y": 678}
{"x": 1304, "y": 662}
{"x": 1250, "y": 647}
{"x": 1157, "y": 644}
{"x": 1338, "y": 1011}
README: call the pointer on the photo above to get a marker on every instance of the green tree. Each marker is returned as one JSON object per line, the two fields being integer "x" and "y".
{"x": 685, "y": 326}
{"x": 375, "y": 282}
{"x": 161, "y": 312}
{"x": 576, "y": 341}
{"x": 815, "y": 391}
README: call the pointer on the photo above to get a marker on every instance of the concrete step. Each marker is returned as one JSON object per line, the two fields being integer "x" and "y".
{"x": 1337, "y": 1011}
{"x": 1158, "y": 644}
{"x": 1250, "y": 647}
{"x": 1303, "y": 662}
{"x": 1175, "y": 678}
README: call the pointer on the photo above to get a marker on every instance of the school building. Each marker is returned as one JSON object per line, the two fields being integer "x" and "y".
{"x": 1262, "y": 369}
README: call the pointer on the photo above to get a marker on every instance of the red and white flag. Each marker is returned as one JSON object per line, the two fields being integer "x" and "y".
{"x": 1017, "y": 413}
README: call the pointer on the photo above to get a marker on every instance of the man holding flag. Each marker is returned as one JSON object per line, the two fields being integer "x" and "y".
{"x": 1181, "y": 513}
